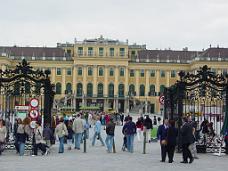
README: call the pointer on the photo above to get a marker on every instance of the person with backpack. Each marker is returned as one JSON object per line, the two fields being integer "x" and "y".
{"x": 110, "y": 129}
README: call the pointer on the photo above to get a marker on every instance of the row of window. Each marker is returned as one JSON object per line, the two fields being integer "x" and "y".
{"x": 91, "y": 52}
{"x": 111, "y": 72}
{"x": 100, "y": 89}
{"x": 152, "y": 73}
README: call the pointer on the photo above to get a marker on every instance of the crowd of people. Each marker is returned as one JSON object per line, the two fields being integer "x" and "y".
{"x": 72, "y": 130}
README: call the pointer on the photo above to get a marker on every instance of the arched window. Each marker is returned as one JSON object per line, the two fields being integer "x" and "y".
{"x": 142, "y": 90}
{"x": 58, "y": 88}
{"x": 131, "y": 90}
{"x": 111, "y": 72}
{"x": 79, "y": 89}
{"x": 100, "y": 90}
{"x": 152, "y": 90}
{"x": 121, "y": 72}
{"x": 90, "y": 90}
{"x": 90, "y": 71}
{"x": 121, "y": 90}
{"x": 111, "y": 90}
{"x": 101, "y": 71}
{"x": 162, "y": 88}
{"x": 68, "y": 88}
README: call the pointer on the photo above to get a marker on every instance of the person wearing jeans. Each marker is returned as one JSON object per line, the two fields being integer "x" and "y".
{"x": 97, "y": 132}
{"x": 61, "y": 132}
{"x": 78, "y": 129}
{"x": 110, "y": 129}
{"x": 61, "y": 144}
{"x": 129, "y": 129}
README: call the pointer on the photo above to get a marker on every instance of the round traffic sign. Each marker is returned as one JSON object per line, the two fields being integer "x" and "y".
{"x": 34, "y": 114}
{"x": 162, "y": 99}
{"x": 34, "y": 103}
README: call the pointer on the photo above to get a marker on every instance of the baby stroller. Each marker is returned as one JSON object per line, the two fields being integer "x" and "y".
{"x": 124, "y": 143}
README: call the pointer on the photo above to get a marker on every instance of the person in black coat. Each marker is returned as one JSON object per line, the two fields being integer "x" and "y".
{"x": 148, "y": 125}
{"x": 162, "y": 136}
{"x": 171, "y": 140}
{"x": 187, "y": 139}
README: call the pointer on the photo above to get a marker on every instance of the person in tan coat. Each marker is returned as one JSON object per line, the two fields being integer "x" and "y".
{"x": 61, "y": 132}
{"x": 78, "y": 129}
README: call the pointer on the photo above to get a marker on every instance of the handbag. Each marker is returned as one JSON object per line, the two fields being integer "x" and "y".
{"x": 63, "y": 131}
{"x": 163, "y": 142}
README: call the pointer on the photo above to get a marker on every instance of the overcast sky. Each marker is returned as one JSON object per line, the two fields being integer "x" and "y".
{"x": 157, "y": 23}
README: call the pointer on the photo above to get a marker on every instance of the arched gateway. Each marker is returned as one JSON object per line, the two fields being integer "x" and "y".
{"x": 202, "y": 95}
{"x": 20, "y": 85}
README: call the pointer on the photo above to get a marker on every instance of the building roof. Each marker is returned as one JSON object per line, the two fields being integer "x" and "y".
{"x": 33, "y": 51}
{"x": 215, "y": 52}
{"x": 166, "y": 55}
{"x": 185, "y": 56}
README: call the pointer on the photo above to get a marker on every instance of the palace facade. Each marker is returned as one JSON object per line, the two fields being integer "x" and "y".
{"x": 110, "y": 73}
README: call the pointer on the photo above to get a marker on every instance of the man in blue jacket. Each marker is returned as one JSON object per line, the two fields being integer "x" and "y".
{"x": 129, "y": 129}
{"x": 162, "y": 136}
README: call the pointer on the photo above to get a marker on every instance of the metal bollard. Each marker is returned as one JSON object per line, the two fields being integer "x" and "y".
{"x": 144, "y": 142}
{"x": 85, "y": 141}
{"x": 114, "y": 146}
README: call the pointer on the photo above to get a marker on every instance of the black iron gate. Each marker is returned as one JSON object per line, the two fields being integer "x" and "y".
{"x": 18, "y": 86}
{"x": 203, "y": 95}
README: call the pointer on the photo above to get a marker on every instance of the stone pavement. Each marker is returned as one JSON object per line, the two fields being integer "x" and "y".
{"x": 97, "y": 159}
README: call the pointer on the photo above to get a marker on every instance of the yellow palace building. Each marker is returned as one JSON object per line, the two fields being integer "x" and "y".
{"x": 110, "y": 73}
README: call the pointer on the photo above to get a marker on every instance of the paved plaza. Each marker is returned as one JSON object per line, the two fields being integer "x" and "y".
{"x": 97, "y": 159}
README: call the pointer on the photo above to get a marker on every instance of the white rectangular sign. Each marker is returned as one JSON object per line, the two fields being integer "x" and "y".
{"x": 22, "y": 107}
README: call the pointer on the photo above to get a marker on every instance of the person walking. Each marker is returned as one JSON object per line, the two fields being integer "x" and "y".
{"x": 192, "y": 147}
{"x": 39, "y": 140}
{"x": 3, "y": 135}
{"x": 47, "y": 134}
{"x": 110, "y": 130}
{"x": 148, "y": 126}
{"x": 155, "y": 120}
{"x": 187, "y": 139}
{"x": 129, "y": 129}
{"x": 78, "y": 129}
{"x": 70, "y": 139}
{"x": 61, "y": 132}
{"x": 97, "y": 132}
{"x": 139, "y": 126}
{"x": 162, "y": 136}
{"x": 171, "y": 140}
{"x": 21, "y": 137}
